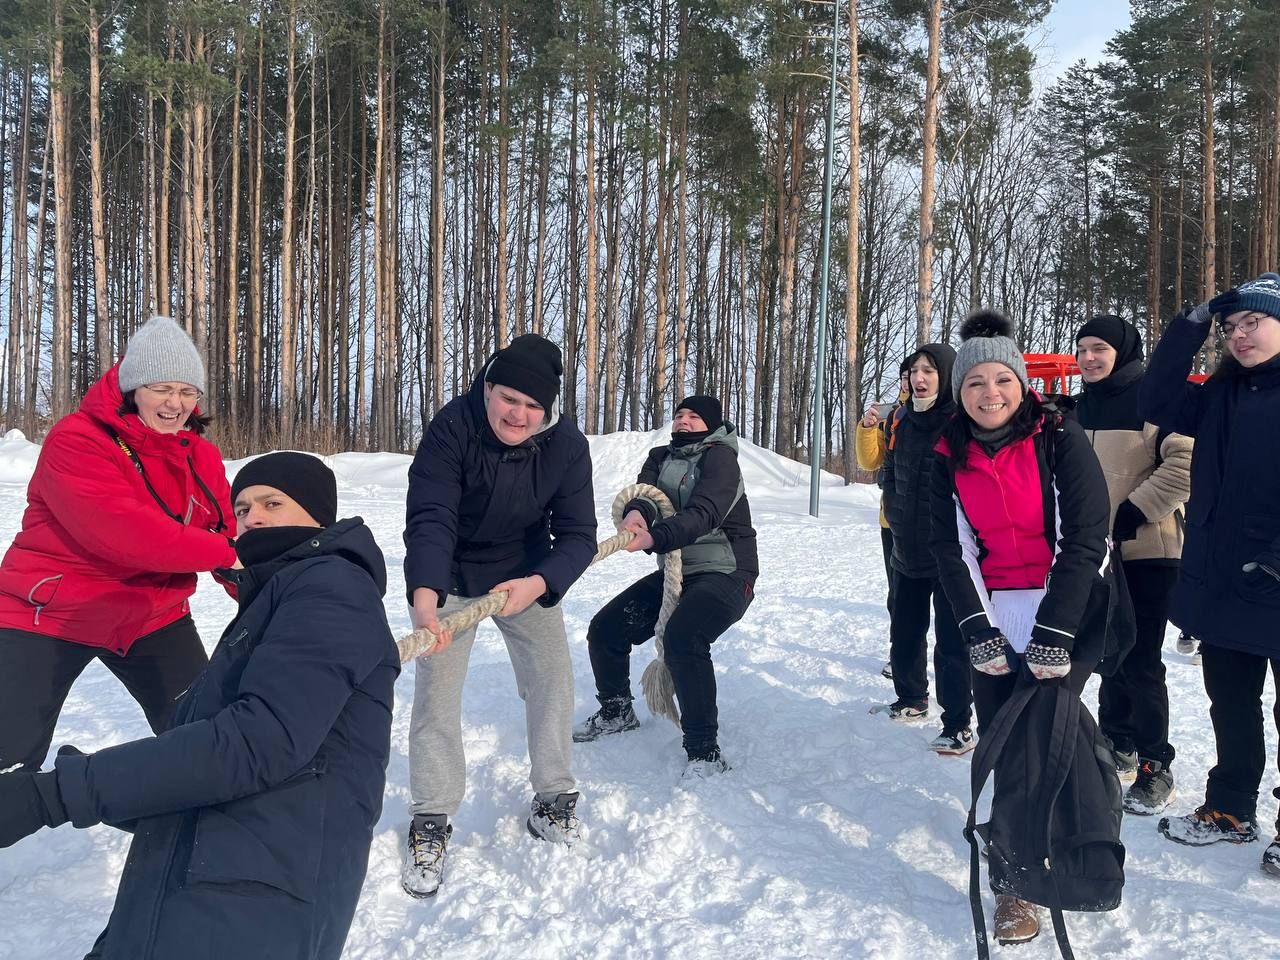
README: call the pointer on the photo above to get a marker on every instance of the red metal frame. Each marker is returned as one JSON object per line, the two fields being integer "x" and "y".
{"x": 1055, "y": 369}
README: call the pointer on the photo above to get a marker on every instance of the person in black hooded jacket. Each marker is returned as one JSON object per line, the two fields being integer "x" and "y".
{"x": 253, "y": 814}
{"x": 500, "y": 499}
{"x": 908, "y": 468}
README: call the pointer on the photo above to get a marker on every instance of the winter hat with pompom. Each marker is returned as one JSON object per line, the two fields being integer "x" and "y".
{"x": 1262, "y": 294}
{"x": 986, "y": 337}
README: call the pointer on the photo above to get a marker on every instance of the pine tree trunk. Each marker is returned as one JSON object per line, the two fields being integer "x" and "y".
{"x": 1209, "y": 218}
{"x": 852, "y": 367}
{"x": 288, "y": 296}
{"x": 60, "y": 123}
{"x": 592, "y": 321}
{"x": 929, "y": 140}
{"x": 437, "y": 216}
{"x": 97, "y": 201}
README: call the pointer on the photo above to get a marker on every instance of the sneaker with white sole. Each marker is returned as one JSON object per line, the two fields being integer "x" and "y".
{"x": 1206, "y": 826}
{"x": 614, "y": 716}
{"x": 1271, "y": 858}
{"x": 1126, "y": 765}
{"x": 953, "y": 743}
{"x": 703, "y": 764}
{"x": 555, "y": 820}
{"x": 1186, "y": 644}
{"x": 424, "y": 867}
{"x": 1152, "y": 791}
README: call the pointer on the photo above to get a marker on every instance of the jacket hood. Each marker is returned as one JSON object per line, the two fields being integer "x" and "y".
{"x": 943, "y": 357}
{"x": 1119, "y": 380}
{"x": 101, "y": 404}
{"x": 725, "y": 435}
{"x": 349, "y": 539}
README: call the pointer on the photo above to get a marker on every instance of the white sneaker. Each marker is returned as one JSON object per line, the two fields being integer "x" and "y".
{"x": 555, "y": 820}
{"x": 423, "y": 868}
{"x": 953, "y": 744}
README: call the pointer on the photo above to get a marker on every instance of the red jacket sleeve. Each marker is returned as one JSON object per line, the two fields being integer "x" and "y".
{"x": 85, "y": 487}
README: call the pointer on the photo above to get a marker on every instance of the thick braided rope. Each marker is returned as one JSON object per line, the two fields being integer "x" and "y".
{"x": 659, "y": 691}
{"x": 656, "y": 683}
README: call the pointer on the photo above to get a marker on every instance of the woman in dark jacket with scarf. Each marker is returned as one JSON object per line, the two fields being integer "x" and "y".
{"x": 699, "y": 473}
{"x": 1228, "y": 593}
{"x": 1019, "y": 508}
{"x": 127, "y": 502}
{"x": 908, "y": 468}
{"x": 253, "y": 815}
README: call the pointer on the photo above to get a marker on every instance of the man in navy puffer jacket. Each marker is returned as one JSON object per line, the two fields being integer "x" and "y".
{"x": 253, "y": 815}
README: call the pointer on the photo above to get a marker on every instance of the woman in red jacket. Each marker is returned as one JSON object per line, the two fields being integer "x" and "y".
{"x": 126, "y": 503}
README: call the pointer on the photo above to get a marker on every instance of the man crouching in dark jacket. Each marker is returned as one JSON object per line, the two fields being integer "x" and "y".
{"x": 499, "y": 499}
{"x": 253, "y": 815}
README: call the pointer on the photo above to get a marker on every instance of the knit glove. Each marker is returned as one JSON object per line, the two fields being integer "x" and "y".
{"x": 1047, "y": 662}
{"x": 987, "y": 652}
{"x": 28, "y": 801}
{"x": 1129, "y": 518}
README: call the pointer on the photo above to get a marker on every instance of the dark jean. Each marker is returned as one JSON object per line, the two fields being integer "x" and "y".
{"x": 709, "y": 604}
{"x": 36, "y": 674}
{"x": 1234, "y": 682}
{"x": 909, "y": 649}
{"x": 1133, "y": 703}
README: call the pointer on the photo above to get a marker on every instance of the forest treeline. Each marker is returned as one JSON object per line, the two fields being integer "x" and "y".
{"x": 349, "y": 203}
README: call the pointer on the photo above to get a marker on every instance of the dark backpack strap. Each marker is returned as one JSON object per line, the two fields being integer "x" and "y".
{"x": 1062, "y": 752}
{"x": 990, "y": 746}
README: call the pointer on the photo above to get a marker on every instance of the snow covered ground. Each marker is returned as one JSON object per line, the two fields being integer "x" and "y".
{"x": 837, "y": 833}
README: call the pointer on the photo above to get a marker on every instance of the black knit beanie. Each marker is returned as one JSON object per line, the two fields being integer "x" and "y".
{"x": 530, "y": 364}
{"x": 1121, "y": 334}
{"x": 303, "y": 477}
{"x": 708, "y": 408}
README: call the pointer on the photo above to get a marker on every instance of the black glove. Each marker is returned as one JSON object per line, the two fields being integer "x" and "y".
{"x": 1129, "y": 519}
{"x": 28, "y": 801}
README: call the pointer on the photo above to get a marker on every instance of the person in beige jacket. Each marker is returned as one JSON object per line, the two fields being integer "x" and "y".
{"x": 1148, "y": 474}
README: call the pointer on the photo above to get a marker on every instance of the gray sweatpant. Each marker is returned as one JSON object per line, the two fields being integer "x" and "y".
{"x": 539, "y": 652}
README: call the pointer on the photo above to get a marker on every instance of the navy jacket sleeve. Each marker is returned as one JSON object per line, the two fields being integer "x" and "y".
{"x": 712, "y": 499}
{"x": 1083, "y": 515}
{"x": 1167, "y": 398}
{"x": 322, "y": 643}
{"x": 955, "y": 547}
{"x": 573, "y": 528}
{"x": 431, "y": 508}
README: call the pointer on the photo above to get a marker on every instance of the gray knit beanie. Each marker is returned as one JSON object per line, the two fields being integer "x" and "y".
{"x": 986, "y": 337}
{"x": 160, "y": 352}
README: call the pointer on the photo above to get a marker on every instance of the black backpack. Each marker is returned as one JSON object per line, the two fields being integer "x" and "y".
{"x": 1054, "y": 832}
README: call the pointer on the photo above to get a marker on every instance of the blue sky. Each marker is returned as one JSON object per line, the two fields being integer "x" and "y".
{"x": 1079, "y": 28}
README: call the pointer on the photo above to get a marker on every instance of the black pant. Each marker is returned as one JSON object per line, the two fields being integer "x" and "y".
{"x": 709, "y": 604}
{"x": 990, "y": 693}
{"x": 36, "y": 674}
{"x": 909, "y": 649}
{"x": 1133, "y": 704}
{"x": 886, "y": 547}
{"x": 1234, "y": 682}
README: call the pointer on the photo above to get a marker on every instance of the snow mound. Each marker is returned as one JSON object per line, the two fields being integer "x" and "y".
{"x": 18, "y": 457}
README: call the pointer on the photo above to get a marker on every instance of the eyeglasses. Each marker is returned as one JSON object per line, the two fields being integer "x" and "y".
{"x": 1247, "y": 325}
{"x": 187, "y": 394}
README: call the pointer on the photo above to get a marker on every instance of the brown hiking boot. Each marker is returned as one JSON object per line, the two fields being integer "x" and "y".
{"x": 1016, "y": 920}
